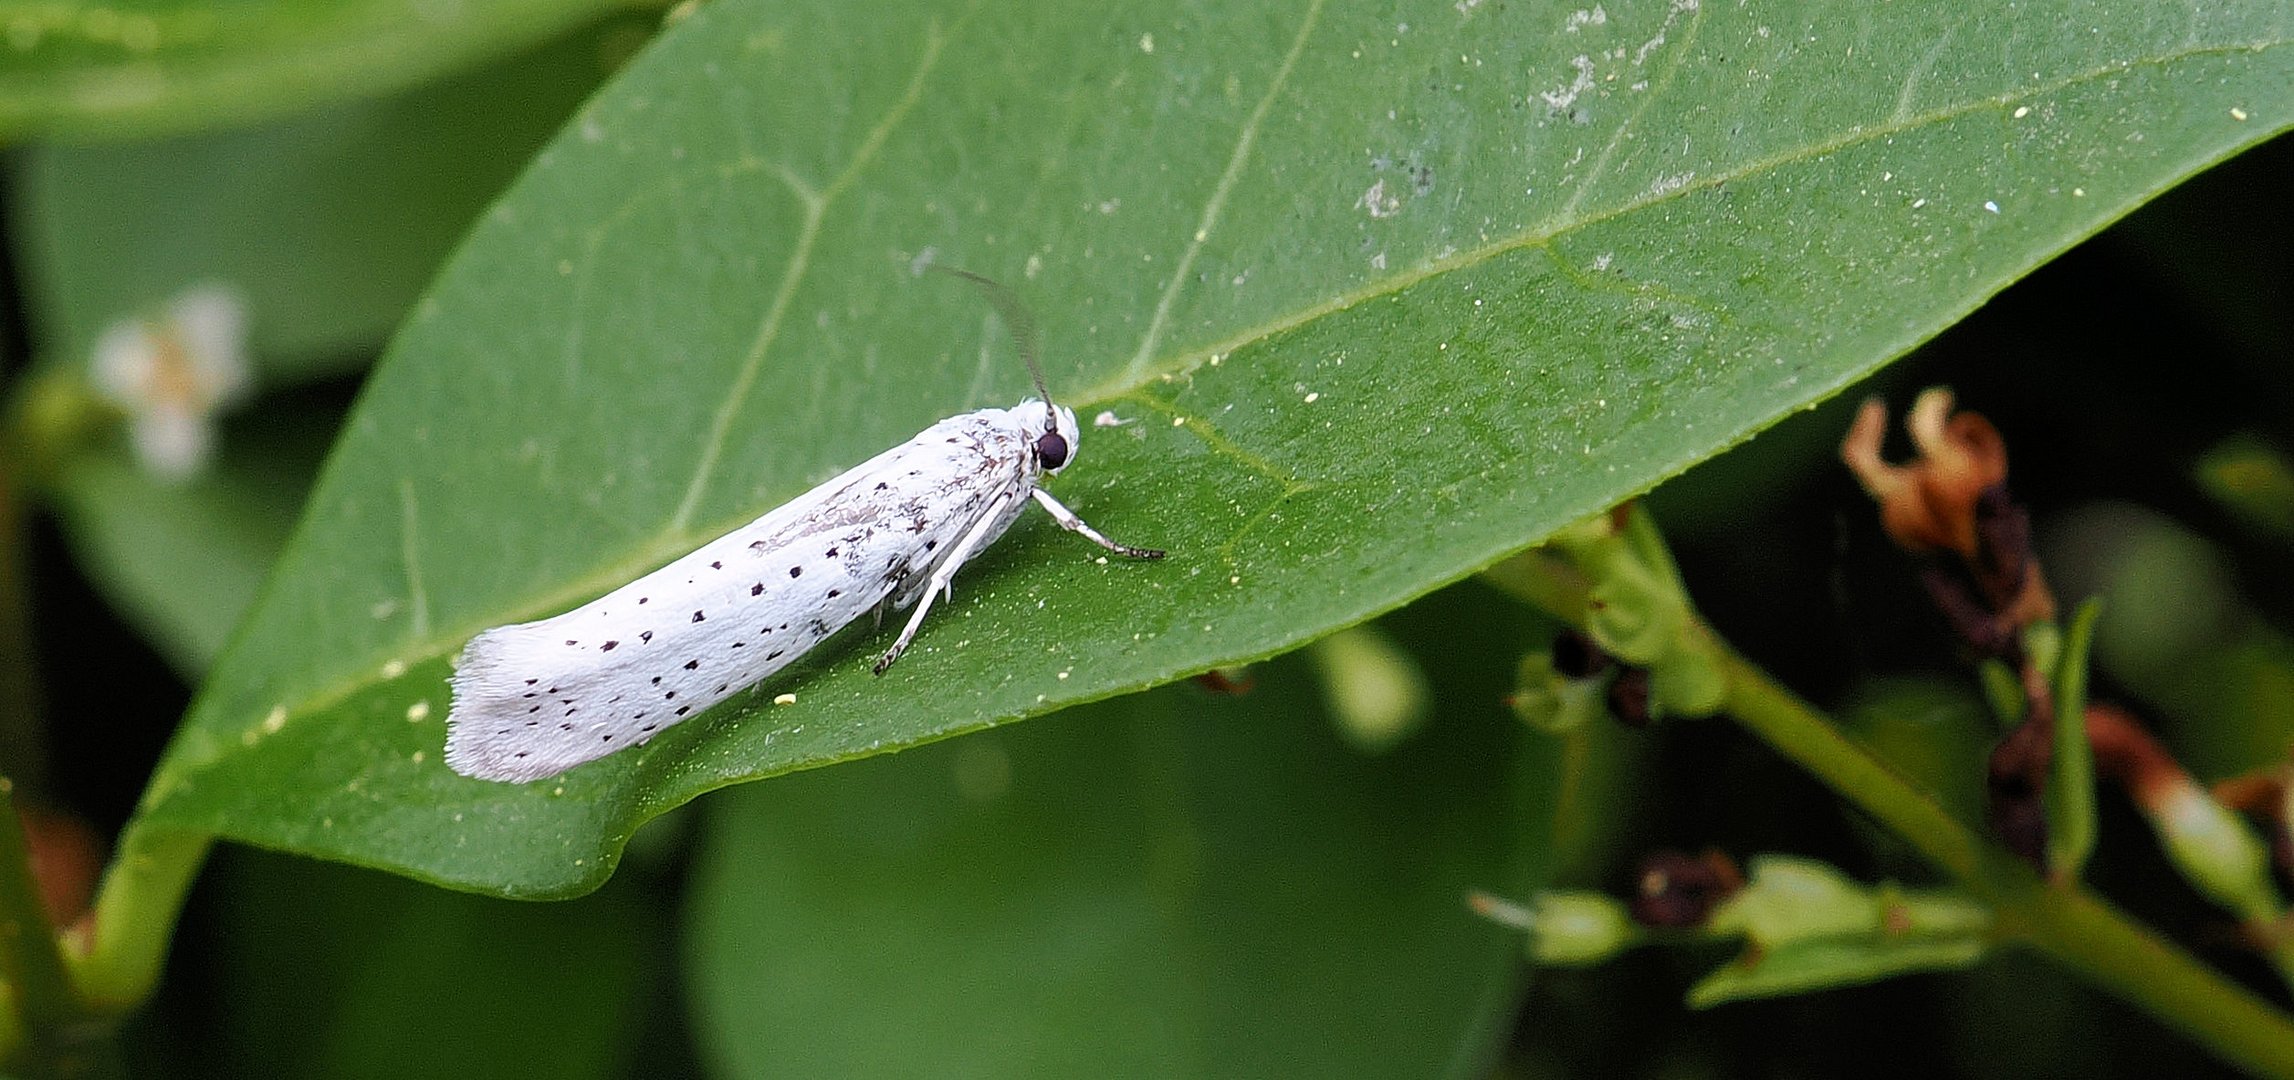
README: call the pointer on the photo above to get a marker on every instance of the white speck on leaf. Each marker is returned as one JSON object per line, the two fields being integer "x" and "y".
{"x": 1666, "y": 185}
{"x": 1561, "y": 97}
{"x": 1379, "y": 202}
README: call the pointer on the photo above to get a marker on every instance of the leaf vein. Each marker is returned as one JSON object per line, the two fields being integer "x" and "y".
{"x": 1600, "y": 166}
{"x": 1212, "y": 207}
{"x": 816, "y": 207}
{"x": 1128, "y": 388}
{"x": 417, "y": 598}
{"x": 1120, "y": 387}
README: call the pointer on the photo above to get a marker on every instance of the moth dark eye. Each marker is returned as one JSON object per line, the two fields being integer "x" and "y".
{"x": 1051, "y": 449}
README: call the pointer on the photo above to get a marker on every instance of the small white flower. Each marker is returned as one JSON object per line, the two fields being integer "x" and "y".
{"x": 174, "y": 373}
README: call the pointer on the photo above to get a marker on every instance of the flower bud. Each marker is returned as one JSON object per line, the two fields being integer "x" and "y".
{"x": 1566, "y": 929}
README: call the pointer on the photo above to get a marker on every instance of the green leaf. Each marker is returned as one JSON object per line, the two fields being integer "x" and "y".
{"x": 358, "y": 205}
{"x": 2071, "y": 827}
{"x": 1829, "y": 963}
{"x": 335, "y": 973}
{"x": 327, "y": 223}
{"x": 1807, "y": 926}
{"x": 2182, "y": 639}
{"x": 81, "y": 68}
{"x": 2254, "y": 481}
{"x": 1171, "y": 884}
{"x": 1379, "y": 296}
{"x": 183, "y": 561}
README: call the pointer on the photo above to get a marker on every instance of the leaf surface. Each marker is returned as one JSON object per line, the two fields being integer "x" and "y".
{"x": 1169, "y": 884}
{"x": 1376, "y": 294}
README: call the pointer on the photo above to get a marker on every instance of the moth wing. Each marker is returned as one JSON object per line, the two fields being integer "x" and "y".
{"x": 534, "y": 699}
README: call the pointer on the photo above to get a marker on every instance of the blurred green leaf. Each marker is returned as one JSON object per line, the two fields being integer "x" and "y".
{"x": 2181, "y": 638}
{"x": 2254, "y": 481}
{"x": 2070, "y": 795}
{"x": 327, "y": 223}
{"x": 336, "y": 973}
{"x": 1172, "y": 884}
{"x": 183, "y": 561}
{"x": 1380, "y": 294}
{"x": 83, "y": 68}
{"x": 1829, "y": 963}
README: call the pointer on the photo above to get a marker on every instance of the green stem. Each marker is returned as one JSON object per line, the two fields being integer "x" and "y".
{"x": 2087, "y": 934}
{"x": 2070, "y": 924}
{"x": 2074, "y": 926}
{"x": 51, "y": 1026}
{"x": 1795, "y": 729}
{"x": 23, "y": 744}
{"x": 123, "y": 942}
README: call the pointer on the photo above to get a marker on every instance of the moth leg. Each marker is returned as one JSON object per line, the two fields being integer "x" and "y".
{"x": 943, "y": 581}
{"x": 1067, "y": 520}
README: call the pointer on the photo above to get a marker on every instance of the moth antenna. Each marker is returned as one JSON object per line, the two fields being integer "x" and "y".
{"x": 1017, "y": 319}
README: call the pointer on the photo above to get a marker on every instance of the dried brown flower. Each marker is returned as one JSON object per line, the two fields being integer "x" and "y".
{"x": 1677, "y": 890}
{"x": 1953, "y": 499}
{"x": 1930, "y": 504}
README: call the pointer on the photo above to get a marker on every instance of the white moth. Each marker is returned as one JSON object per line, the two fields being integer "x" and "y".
{"x": 535, "y": 699}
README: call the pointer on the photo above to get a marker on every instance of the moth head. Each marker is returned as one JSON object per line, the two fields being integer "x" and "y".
{"x": 1051, "y": 433}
